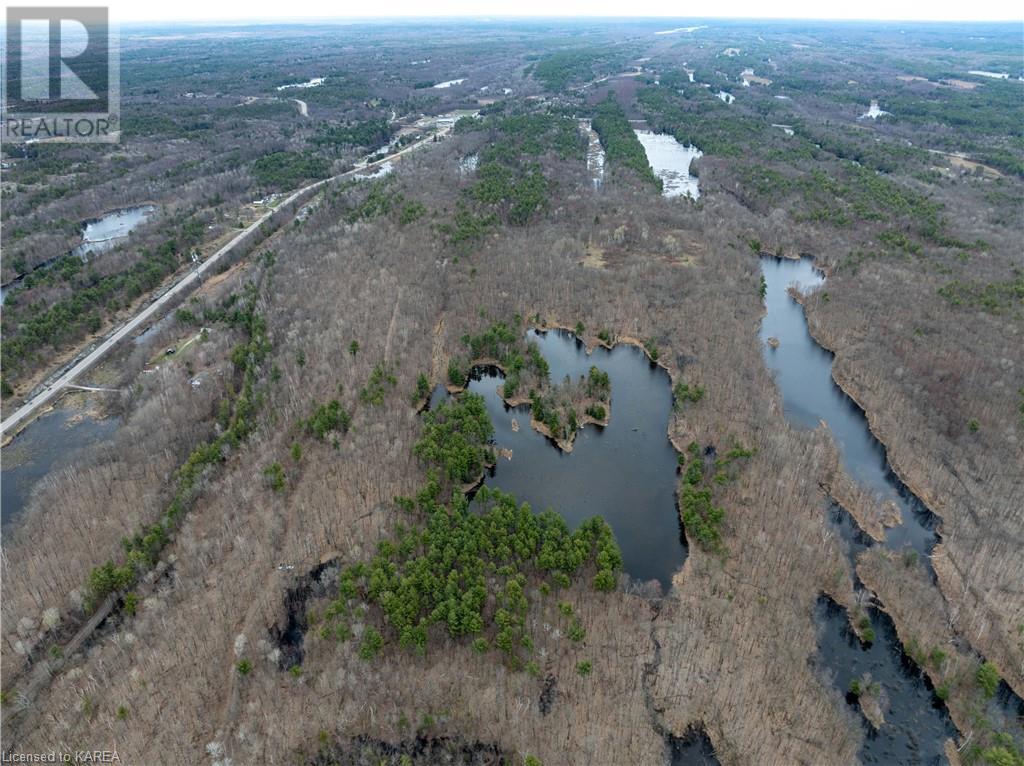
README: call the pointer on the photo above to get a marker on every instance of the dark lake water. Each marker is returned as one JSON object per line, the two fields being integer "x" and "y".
{"x": 49, "y": 443}
{"x": 625, "y": 472}
{"x": 916, "y": 723}
{"x": 803, "y": 373}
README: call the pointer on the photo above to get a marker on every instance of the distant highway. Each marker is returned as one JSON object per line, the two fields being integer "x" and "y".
{"x": 52, "y": 388}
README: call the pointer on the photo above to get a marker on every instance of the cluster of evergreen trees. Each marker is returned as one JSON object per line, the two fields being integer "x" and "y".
{"x": 510, "y": 185}
{"x": 286, "y": 170}
{"x": 701, "y": 517}
{"x": 506, "y": 344}
{"x": 455, "y": 438}
{"x": 468, "y": 571}
{"x": 621, "y": 146}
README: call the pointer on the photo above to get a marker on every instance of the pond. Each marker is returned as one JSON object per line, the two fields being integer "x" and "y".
{"x": 803, "y": 373}
{"x": 101, "y": 234}
{"x": 670, "y": 161}
{"x": 314, "y": 82}
{"x": 916, "y": 723}
{"x": 47, "y": 444}
{"x": 98, "y": 236}
{"x": 874, "y": 111}
{"x": 450, "y": 83}
{"x": 624, "y": 472}
{"x": 693, "y": 750}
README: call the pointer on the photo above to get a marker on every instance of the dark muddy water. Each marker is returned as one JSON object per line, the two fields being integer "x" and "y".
{"x": 49, "y": 443}
{"x": 916, "y": 723}
{"x": 803, "y": 373}
{"x": 1005, "y": 712}
{"x": 625, "y": 472}
{"x": 693, "y": 750}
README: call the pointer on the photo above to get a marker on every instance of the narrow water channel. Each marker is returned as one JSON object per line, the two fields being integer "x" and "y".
{"x": 625, "y": 472}
{"x": 803, "y": 373}
{"x": 916, "y": 724}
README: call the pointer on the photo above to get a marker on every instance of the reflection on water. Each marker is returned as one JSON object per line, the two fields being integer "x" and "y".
{"x": 1005, "y": 712}
{"x": 98, "y": 236}
{"x": 625, "y": 472}
{"x": 670, "y": 161}
{"x": 803, "y": 373}
{"x": 855, "y": 540}
{"x": 49, "y": 443}
{"x": 916, "y": 723}
{"x": 311, "y": 83}
{"x": 101, "y": 234}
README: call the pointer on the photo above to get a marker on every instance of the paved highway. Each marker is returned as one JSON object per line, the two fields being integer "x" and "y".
{"x": 195, "y": 277}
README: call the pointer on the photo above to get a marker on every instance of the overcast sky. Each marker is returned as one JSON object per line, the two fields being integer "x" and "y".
{"x": 252, "y": 10}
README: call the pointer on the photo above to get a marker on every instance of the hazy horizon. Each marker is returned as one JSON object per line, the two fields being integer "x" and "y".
{"x": 492, "y": 18}
{"x": 264, "y": 11}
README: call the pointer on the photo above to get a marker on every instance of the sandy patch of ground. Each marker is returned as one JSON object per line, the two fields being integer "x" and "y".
{"x": 959, "y": 84}
{"x": 969, "y": 165}
{"x": 962, "y": 163}
{"x": 594, "y": 258}
{"x": 676, "y": 248}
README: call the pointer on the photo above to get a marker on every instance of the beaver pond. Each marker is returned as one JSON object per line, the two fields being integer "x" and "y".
{"x": 624, "y": 472}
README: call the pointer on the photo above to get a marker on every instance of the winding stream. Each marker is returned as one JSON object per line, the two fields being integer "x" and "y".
{"x": 916, "y": 723}
{"x": 803, "y": 373}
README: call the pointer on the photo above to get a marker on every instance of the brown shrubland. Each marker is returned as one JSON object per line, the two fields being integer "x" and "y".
{"x": 728, "y": 648}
